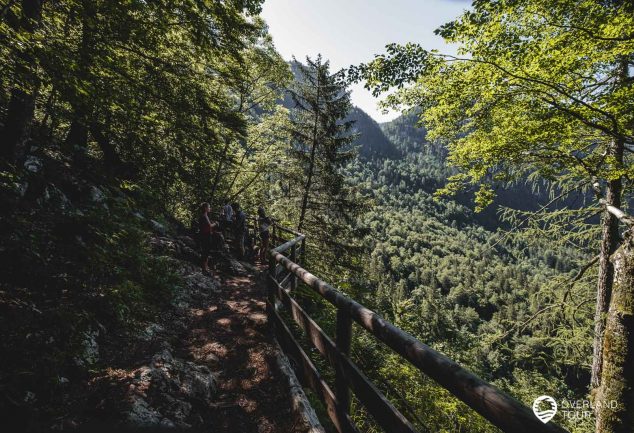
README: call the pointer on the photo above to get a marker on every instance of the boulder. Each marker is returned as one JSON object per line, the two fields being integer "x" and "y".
{"x": 97, "y": 195}
{"x": 162, "y": 393}
{"x": 56, "y": 197}
{"x": 157, "y": 227}
{"x": 90, "y": 349}
{"x": 174, "y": 247}
{"x": 21, "y": 188}
{"x": 151, "y": 331}
{"x": 187, "y": 241}
{"x": 33, "y": 164}
{"x": 236, "y": 268}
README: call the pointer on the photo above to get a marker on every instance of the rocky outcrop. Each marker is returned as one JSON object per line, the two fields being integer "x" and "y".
{"x": 164, "y": 392}
{"x": 306, "y": 418}
{"x": 182, "y": 247}
{"x": 168, "y": 391}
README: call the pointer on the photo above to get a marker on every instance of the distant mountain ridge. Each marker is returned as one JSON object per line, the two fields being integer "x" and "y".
{"x": 424, "y": 163}
{"x": 371, "y": 141}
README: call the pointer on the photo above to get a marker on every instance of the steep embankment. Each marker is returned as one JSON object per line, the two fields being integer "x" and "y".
{"x": 106, "y": 321}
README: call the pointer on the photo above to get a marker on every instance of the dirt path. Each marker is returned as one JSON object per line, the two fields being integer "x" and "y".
{"x": 209, "y": 364}
{"x": 230, "y": 336}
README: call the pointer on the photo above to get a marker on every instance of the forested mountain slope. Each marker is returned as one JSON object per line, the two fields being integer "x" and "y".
{"x": 371, "y": 140}
{"x": 444, "y": 273}
{"x": 426, "y": 168}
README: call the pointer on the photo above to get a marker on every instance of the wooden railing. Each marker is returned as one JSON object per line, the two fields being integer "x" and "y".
{"x": 285, "y": 272}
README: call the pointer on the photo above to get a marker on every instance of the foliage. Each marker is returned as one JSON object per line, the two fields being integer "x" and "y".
{"x": 536, "y": 90}
{"x": 318, "y": 200}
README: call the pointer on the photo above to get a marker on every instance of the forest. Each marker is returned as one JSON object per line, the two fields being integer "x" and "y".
{"x": 490, "y": 220}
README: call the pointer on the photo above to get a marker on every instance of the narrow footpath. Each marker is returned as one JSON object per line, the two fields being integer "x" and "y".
{"x": 230, "y": 334}
{"x": 206, "y": 364}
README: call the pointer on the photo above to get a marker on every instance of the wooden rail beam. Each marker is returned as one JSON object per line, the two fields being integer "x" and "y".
{"x": 500, "y": 409}
{"x": 381, "y": 409}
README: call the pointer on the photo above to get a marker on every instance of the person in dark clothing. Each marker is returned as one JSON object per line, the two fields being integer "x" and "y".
{"x": 205, "y": 228}
{"x": 239, "y": 228}
{"x": 264, "y": 224}
{"x": 226, "y": 220}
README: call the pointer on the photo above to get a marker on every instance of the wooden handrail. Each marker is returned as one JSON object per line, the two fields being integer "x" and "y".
{"x": 502, "y": 410}
{"x": 287, "y": 245}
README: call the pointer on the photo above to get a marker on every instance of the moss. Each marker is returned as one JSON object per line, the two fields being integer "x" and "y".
{"x": 617, "y": 380}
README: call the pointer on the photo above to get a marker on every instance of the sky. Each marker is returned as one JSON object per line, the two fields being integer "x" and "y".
{"x": 352, "y": 31}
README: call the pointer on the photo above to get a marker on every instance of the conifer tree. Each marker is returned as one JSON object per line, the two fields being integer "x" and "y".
{"x": 321, "y": 146}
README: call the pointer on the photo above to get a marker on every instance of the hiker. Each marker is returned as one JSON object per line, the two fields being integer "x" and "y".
{"x": 227, "y": 219}
{"x": 205, "y": 229}
{"x": 264, "y": 222}
{"x": 239, "y": 228}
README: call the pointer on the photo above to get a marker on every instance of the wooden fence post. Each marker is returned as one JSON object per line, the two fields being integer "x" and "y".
{"x": 343, "y": 339}
{"x": 302, "y": 253}
{"x": 274, "y": 237}
{"x": 294, "y": 260}
{"x": 271, "y": 286}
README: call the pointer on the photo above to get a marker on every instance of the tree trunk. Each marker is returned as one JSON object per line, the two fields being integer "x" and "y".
{"x": 609, "y": 244}
{"x": 21, "y": 109}
{"x": 77, "y": 138}
{"x": 614, "y": 401}
{"x": 309, "y": 181}
{"x": 218, "y": 174}
{"x": 110, "y": 155}
{"x": 311, "y": 166}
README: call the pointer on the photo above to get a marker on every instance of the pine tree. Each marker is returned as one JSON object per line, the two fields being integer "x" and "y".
{"x": 321, "y": 146}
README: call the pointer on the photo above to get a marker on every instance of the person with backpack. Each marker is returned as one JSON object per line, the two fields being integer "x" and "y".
{"x": 205, "y": 229}
{"x": 264, "y": 224}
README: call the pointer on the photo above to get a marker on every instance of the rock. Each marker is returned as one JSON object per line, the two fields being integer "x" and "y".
{"x": 162, "y": 358}
{"x": 305, "y": 416}
{"x": 21, "y": 188}
{"x": 158, "y": 227}
{"x": 187, "y": 241}
{"x": 141, "y": 414}
{"x": 97, "y": 195}
{"x": 174, "y": 247}
{"x": 33, "y": 164}
{"x": 250, "y": 267}
{"x": 162, "y": 245}
{"x": 162, "y": 393}
{"x": 199, "y": 384}
{"x": 236, "y": 267}
{"x": 29, "y": 397}
{"x": 150, "y": 331}
{"x": 90, "y": 348}
{"x": 197, "y": 287}
{"x": 200, "y": 282}
{"x": 55, "y": 196}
